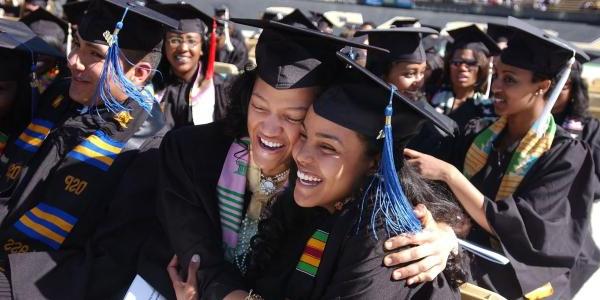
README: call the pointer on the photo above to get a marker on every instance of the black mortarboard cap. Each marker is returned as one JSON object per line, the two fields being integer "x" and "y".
{"x": 499, "y": 31}
{"x": 405, "y": 22}
{"x": 404, "y": 44}
{"x": 75, "y": 10}
{"x": 143, "y": 28}
{"x": 292, "y": 56}
{"x": 16, "y": 35}
{"x": 47, "y": 26}
{"x": 532, "y": 49}
{"x": 358, "y": 103}
{"x": 190, "y": 17}
{"x": 471, "y": 37}
{"x": 299, "y": 19}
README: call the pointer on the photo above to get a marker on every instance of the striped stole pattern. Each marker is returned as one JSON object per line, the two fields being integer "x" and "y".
{"x": 313, "y": 251}
{"x": 97, "y": 150}
{"x": 46, "y": 224}
{"x": 530, "y": 149}
{"x": 34, "y": 135}
{"x": 231, "y": 206}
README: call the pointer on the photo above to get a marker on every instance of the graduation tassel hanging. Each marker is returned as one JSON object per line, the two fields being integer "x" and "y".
{"x": 488, "y": 88}
{"x": 112, "y": 71}
{"x": 390, "y": 200}
{"x": 564, "y": 74}
{"x": 212, "y": 50}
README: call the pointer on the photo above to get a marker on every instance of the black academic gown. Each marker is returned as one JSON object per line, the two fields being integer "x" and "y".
{"x": 350, "y": 266}
{"x": 591, "y": 135}
{"x": 105, "y": 248}
{"x": 175, "y": 101}
{"x": 237, "y": 57}
{"x": 544, "y": 227}
{"x": 191, "y": 160}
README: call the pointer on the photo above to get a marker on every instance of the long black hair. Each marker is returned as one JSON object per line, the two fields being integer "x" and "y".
{"x": 272, "y": 229}
{"x": 580, "y": 101}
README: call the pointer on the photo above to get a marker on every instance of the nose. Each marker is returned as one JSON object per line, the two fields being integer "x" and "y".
{"x": 271, "y": 126}
{"x": 302, "y": 154}
{"x": 74, "y": 62}
{"x": 184, "y": 46}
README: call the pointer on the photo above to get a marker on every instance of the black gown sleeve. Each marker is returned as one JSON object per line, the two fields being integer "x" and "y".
{"x": 190, "y": 164}
{"x": 360, "y": 274}
{"x": 107, "y": 263}
{"x": 543, "y": 226}
{"x": 591, "y": 135}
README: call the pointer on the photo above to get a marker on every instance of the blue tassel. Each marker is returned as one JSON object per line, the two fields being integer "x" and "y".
{"x": 390, "y": 200}
{"x": 113, "y": 71}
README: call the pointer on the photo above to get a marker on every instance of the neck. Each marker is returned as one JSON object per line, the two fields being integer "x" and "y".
{"x": 462, "y": 93}
{"x": 187, "y": 76}
{"x": 519, "y": 124}
{"x": 276, "y": 171}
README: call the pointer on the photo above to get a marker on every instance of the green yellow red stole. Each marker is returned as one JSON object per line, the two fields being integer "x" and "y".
{"x": 530, "y": 148}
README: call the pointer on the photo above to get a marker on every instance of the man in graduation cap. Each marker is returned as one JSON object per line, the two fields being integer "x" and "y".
{"x": 77, "y": 183}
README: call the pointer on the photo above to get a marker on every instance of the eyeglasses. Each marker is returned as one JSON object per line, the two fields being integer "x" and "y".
{"x": 176, "y": 41}
{"x": 471, "y": 64}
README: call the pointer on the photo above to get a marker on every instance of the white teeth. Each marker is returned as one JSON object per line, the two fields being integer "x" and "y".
{"x": 270, "y": 144}
{"x": 307, "y": 177}
{"x": 181, "y": 58}
{"x": 499, "y": 100}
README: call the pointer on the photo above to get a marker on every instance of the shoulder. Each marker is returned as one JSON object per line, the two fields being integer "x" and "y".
{"x": 198, "y": 136}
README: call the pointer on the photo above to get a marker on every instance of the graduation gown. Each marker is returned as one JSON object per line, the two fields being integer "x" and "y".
{"x": 237, "y": 57}
{"x": 591, "y": 135}
{"x": 191, "y": 160}
{"x": 544, "y": 227}
{"x": 350, "y": 264}
{"x": 175, "y": 100}
{"x": 101, "y": 253}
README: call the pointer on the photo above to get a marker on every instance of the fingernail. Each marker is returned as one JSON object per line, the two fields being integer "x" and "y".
{"x": 410, "y": 281}
{"x": 397, "y": 276}
{"x": 388, "y": 245}
{"x": 387, "y": 261}
{"x": 195, "y": 258}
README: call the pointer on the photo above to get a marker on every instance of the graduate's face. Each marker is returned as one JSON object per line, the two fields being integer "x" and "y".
{"x": 8, "y": 94}
{"x": 86, "y": 62}
{"x": 183, "y": 51}
{"x": 331, "y": 162}
{"x": 514, "y": 90}
{"x": 463, "y": 69}
{"x": 408, "y": 77}
{"x": 274, "y": 119}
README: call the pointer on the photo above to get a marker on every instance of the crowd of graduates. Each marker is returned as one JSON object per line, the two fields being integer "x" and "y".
{"x": 152, "y": 142}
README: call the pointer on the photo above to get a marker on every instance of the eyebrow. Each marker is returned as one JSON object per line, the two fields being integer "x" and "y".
{"x": 329, "y": 137}
{"x": 95, "y": 47}
{"x": 259, "y": 96}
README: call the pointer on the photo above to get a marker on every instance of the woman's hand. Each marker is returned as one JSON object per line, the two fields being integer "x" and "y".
{"x": 428, "y": 253}
{"x": 185, "y": 290}
{"x": 428, "y": 166}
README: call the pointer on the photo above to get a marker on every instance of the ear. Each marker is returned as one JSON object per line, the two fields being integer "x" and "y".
{"x": 139, "y": 73}
{"x": 544, "y": 86}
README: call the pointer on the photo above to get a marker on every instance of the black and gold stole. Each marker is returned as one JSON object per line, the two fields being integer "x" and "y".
{"x": 90, "y": 159}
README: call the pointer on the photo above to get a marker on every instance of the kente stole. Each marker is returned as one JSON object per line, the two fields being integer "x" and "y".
{"x": 231, "y": 189}
{"x": 82, "y": 181}
{"x": 530, "y": 148}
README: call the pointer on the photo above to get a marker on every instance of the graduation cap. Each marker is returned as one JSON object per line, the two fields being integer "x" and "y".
{"x": 364, "y": 103}
{"x": 404, "y": 44}
{"x": 142, "y": 28}
{"x": 75, "y": 10}
{"x": 299, "y": 19}
{"x": 532, "y": 49}
{"x": 499, "y": 31}
{"x": 15, "y": 35}
{"x": 471, "y": 37}
{"x": 191, "y": 19}
{"x": 291, "y": 56}
{"x": 44, "y": 23}
{"x": 134, "y": 27}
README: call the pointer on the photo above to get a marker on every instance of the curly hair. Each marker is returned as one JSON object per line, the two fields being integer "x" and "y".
{"x": 272, "y": 229}
{"x": 240, "y": 92}
{"x": 580, "y": 101}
